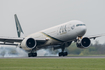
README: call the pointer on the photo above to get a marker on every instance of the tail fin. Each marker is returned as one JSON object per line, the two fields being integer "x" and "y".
{"x": 18, "y": 26}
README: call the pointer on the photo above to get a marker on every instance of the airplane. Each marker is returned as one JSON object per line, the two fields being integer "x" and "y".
{"x": 59, "y": 37}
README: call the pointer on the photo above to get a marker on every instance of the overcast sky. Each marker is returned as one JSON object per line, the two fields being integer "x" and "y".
{"x": 36, "y": 15}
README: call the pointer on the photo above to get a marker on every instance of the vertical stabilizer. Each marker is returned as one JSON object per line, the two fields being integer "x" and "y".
{"x": 18, "y": 26}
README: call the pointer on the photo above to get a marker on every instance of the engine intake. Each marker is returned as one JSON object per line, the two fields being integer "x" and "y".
{"x": 31, "y": 43}
{"x": 83, "y": 43}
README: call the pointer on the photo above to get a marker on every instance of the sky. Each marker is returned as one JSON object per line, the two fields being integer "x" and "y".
{"x": 36, "y": 15}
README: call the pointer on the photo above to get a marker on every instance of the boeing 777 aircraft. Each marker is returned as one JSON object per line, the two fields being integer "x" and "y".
{"x": 59, "y": 37}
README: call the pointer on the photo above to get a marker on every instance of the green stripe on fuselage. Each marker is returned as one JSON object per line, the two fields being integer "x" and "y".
{"x": 52, "y": 37}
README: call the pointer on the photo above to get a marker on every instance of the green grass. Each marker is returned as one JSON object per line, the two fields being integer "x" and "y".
{"x": 53, "y": 64}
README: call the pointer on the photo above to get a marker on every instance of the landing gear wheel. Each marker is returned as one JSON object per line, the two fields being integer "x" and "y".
{"x": 63, "y": 54}
{"x": 32, "y": 54}
{"x": 60, "y": 54}
{"x": 29, "y": 54}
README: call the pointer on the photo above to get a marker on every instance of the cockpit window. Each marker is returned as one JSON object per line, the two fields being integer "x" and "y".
{"x": 80, "y": 25}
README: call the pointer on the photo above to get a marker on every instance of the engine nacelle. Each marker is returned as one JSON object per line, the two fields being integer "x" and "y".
{"x": 83, "y": 43}
{"x": 29, "y": 43}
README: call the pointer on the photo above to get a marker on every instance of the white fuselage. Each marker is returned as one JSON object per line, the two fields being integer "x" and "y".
{"x": 59, "y": 34}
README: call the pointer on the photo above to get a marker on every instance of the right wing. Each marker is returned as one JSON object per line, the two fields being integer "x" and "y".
{"x": 10, "y": 41}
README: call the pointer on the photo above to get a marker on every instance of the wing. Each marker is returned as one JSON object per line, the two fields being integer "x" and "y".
{"x": 16, "y": 41}
{"x": 10, "y": 41}
{"x": 96, "y": 36}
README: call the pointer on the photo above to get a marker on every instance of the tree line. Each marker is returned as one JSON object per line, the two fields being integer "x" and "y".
{"x": 94, "y": 49}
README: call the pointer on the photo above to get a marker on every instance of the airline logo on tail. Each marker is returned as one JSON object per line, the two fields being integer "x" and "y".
{"x": 18, "y": 26}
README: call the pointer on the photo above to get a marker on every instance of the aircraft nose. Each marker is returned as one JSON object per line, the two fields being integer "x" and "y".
{"x": 82, "y": 31}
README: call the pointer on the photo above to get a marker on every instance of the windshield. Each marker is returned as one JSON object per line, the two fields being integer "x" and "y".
{"x": 80, "y": 25}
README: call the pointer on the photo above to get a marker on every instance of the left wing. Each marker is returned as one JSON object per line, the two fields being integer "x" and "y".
{"x": 96, "y": 36}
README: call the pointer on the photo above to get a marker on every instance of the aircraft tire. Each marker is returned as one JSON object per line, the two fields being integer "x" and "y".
{"x": 29, "y": 55}
{"x": 60, "y": 54}
{"x": 63, "y": 54}
{"x": 32, "y": 54}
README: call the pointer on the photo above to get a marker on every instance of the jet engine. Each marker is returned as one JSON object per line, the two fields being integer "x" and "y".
{"x": 31, "y": 43}
{"x": 28, "y": 43}
{"x": 83, "y": 43}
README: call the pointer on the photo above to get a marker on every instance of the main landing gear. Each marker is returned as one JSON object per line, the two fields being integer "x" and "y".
{"x": 63, "y": 53}
{"x": 32, "y": 54}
